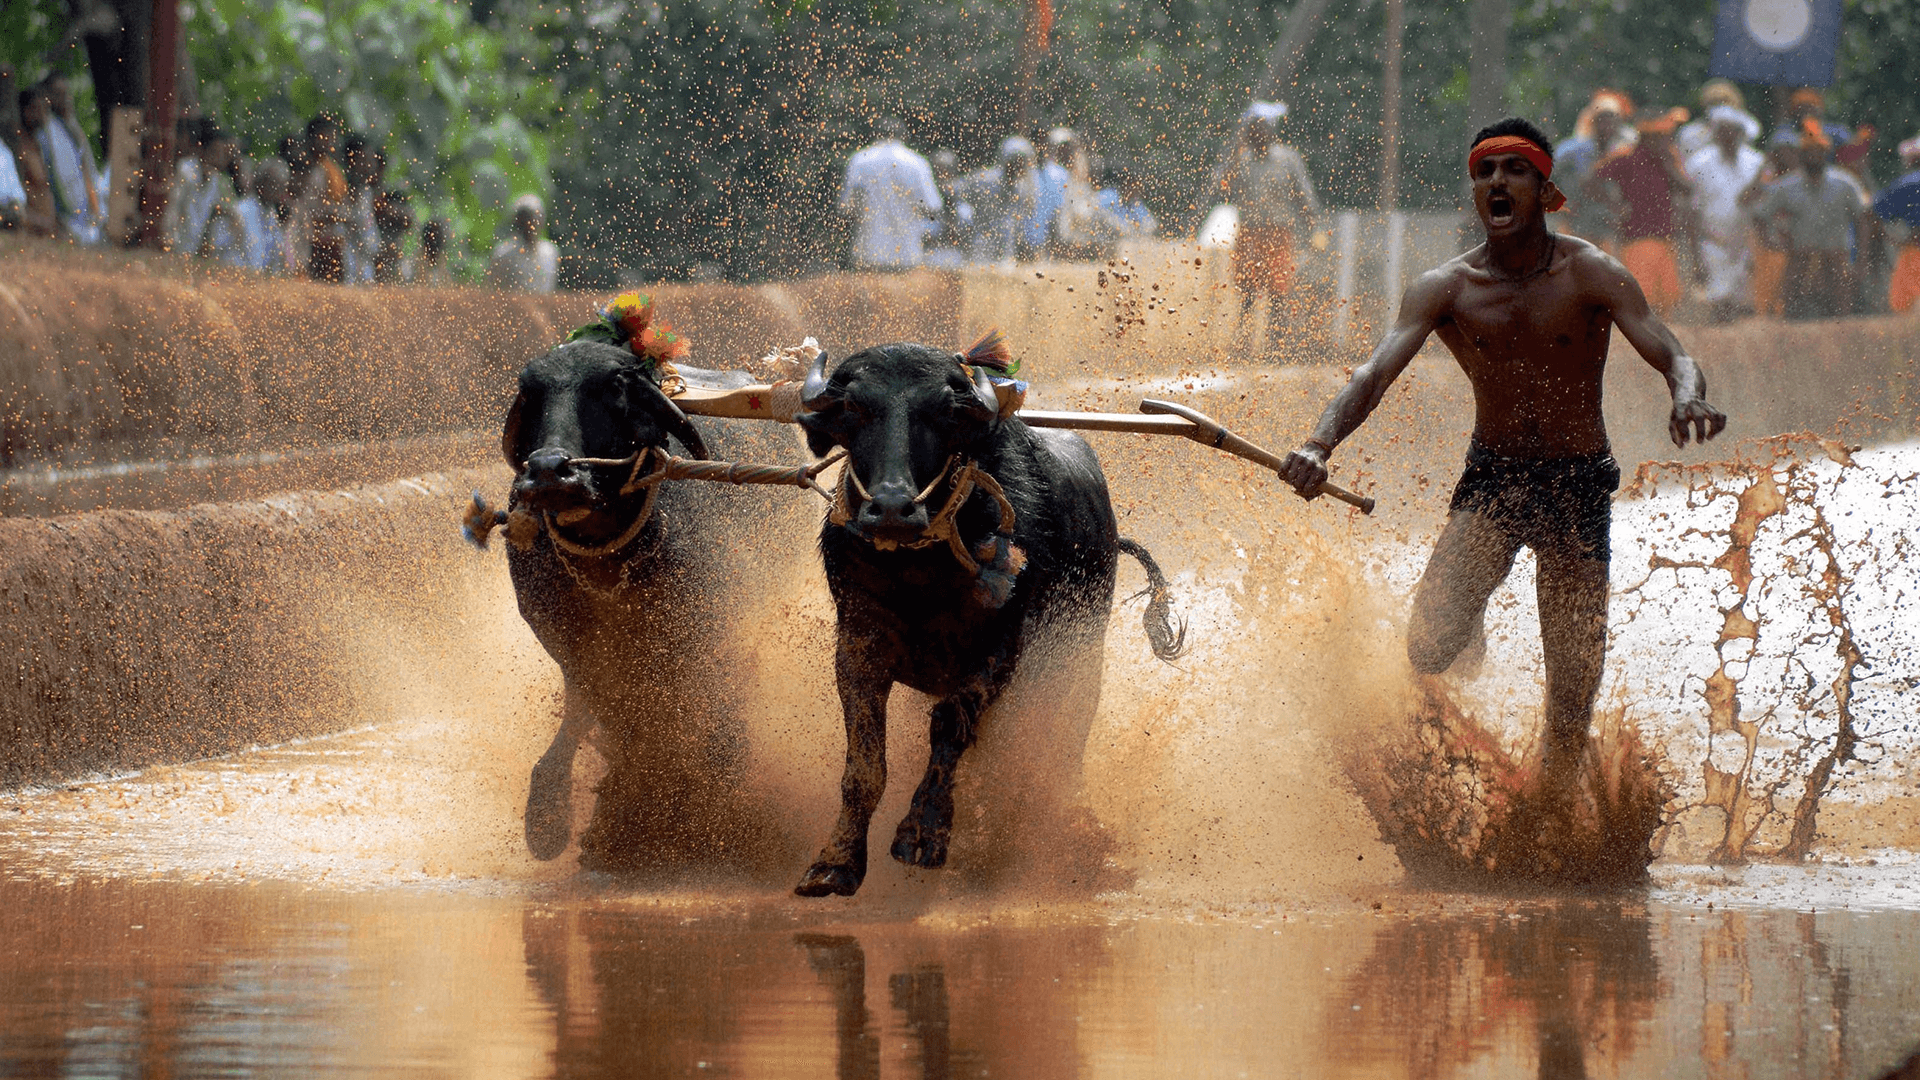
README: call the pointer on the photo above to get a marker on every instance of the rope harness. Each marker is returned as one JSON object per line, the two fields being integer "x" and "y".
{"x": 994, "y": 562}
{"x": 480, "y": 520}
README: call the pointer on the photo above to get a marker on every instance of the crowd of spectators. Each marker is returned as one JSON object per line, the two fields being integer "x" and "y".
{"x": 318, "y": 207}
{"x": 1065, "y": 204}
{"x": 1787, "y": 221}
{"x": 1792, "y": 224}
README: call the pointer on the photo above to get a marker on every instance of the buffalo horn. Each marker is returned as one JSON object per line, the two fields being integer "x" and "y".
{"x": 987, "y": 403}
{"x": 813, "y": 392}
{"x": 510, "y": 431}
{"x": 671, "y": 418}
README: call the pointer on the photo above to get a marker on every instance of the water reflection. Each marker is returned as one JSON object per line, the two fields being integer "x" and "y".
{"x": 1565, "y": 981}
{"x": 129, "y": 979}
{"x": 841, "y": 966}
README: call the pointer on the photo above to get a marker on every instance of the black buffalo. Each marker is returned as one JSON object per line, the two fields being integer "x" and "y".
{"x": 621, "y": 585}
{"x": 949, "y": 614}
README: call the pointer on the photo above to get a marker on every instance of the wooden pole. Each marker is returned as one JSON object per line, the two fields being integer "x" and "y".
{"x": 163, "y": 66}
{"x": 781, "y": 402}
{"x": 1390, "y": 121}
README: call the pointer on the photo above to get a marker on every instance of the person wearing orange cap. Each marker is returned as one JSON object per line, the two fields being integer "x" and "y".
{"x": 1529, "y": 316}
{"x": 1642, "y": 187}
{"x": 1812, "y": 214}
{"x": 1599, "y": 133}
{"x": 1900, "y": 202}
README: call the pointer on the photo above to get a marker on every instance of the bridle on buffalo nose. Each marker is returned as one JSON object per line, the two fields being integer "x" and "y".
{"x": 480, "y": 520}
{"x": 635, "y": 482}
{"x": 996, "y": 553}
{"x": 860, "y": 489}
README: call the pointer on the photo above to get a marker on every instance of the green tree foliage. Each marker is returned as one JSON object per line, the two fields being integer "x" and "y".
{"x": 468, "y": 114}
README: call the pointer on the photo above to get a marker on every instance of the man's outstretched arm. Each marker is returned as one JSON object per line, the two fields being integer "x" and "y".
{"x": 1420, "y": 312}
{"x": 1656, "y": 344}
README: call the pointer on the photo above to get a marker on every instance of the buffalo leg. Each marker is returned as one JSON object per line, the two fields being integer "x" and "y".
{"x": 924, "y": 833}
{"x": 864, "y": 685}
{"x": 550, "y": 789}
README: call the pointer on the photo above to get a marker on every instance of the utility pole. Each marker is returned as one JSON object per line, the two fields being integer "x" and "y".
{"x": 163, "y": 67}
{"x": 1390, "y": 120}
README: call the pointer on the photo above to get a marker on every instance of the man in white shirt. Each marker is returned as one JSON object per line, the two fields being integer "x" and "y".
{"x": 70, "y": 163}
{"x": 13, "y": 194}
{"x": 1720, "y": 172}
{"x": 526, "y": 261}
{"x": 891, "y": 197}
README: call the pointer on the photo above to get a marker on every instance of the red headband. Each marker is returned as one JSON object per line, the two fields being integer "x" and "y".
{"x": 1526, "y": 148}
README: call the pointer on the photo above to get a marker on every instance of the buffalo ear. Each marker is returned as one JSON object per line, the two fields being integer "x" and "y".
{"x": 818, "y": 428}
{"x": 510, "y": 431}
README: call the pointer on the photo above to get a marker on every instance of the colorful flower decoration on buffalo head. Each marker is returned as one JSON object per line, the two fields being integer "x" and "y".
{"x": 627, "y": 320}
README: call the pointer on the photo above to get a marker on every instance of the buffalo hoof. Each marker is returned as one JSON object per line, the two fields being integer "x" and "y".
{"x": 918, "y": 845}
{"x": 829, "y": 879}
{"x": 550, "y": 809}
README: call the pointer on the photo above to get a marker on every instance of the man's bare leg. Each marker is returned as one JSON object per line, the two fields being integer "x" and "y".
{"x": 1470, "y": 560}
{"x": 1572, "y": 590}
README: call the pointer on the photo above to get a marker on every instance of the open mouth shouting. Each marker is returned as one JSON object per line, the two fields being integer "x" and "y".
{"x": 1500, "y": 208}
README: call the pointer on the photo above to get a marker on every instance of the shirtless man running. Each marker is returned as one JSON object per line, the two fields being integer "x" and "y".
{"x": 1528, "y": 315}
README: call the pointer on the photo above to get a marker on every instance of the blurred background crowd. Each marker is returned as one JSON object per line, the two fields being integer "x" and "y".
{"x": 424, "y": 141}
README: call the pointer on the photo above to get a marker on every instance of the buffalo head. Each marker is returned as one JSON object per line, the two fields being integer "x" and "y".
{"x": 903, "y": 412}
{"x": 585, "y": 400}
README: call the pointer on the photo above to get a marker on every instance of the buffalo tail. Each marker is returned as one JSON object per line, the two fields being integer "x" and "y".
{"x": 1168, "y": 638}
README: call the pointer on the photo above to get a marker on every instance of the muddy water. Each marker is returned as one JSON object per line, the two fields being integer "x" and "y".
{"x": 159, "y": 978}
{"x": 362, "y": 903}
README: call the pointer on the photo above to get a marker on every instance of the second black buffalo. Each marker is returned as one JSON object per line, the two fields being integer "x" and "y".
{"x": 960, "y": 540}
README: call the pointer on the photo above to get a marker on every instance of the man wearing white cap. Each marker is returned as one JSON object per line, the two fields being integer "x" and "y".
{"x": 526, "y": 261}
{"x": 1268, "y": 182}
{"x": 1720, "y": 172}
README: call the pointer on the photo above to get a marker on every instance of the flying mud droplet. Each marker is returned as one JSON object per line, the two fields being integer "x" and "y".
{"x": 1462, "y": 811}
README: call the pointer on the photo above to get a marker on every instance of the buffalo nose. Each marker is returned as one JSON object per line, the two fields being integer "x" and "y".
{"x": 893, "y": 508}
{"x": 547, "y": 465}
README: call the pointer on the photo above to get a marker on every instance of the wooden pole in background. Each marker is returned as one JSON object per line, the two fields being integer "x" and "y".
{"x": 163, "y": 67}
{"x": 1390, "y": 120}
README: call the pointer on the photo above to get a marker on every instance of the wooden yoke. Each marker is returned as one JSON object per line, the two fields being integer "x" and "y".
{"x": 781, "y": 401}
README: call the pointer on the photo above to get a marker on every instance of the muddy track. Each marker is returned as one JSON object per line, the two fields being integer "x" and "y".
{"x": 142, "y": 636}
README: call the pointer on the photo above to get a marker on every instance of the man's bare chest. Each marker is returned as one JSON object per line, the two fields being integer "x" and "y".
{"x": 1533, "y": 323}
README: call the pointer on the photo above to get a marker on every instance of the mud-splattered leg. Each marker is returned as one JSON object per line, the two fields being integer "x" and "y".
{"x": 1470, "y": 560}
{"x": 864, "y": 685}
{"x": 1572, "y": 590}
{"x": 928, "y": 827}
{"x": 549, "y": 818}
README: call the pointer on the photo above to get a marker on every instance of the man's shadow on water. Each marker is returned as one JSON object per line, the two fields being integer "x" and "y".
{"x": 1435, "y": 993}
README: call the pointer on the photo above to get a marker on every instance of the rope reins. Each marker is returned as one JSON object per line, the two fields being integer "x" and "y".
{"x": 994, "y": 562}
{"x": 480, "y": 520}
{"x": 942, "y": 527}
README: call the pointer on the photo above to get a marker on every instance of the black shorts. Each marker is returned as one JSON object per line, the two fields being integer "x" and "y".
{"x": 1553, "y": 504}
